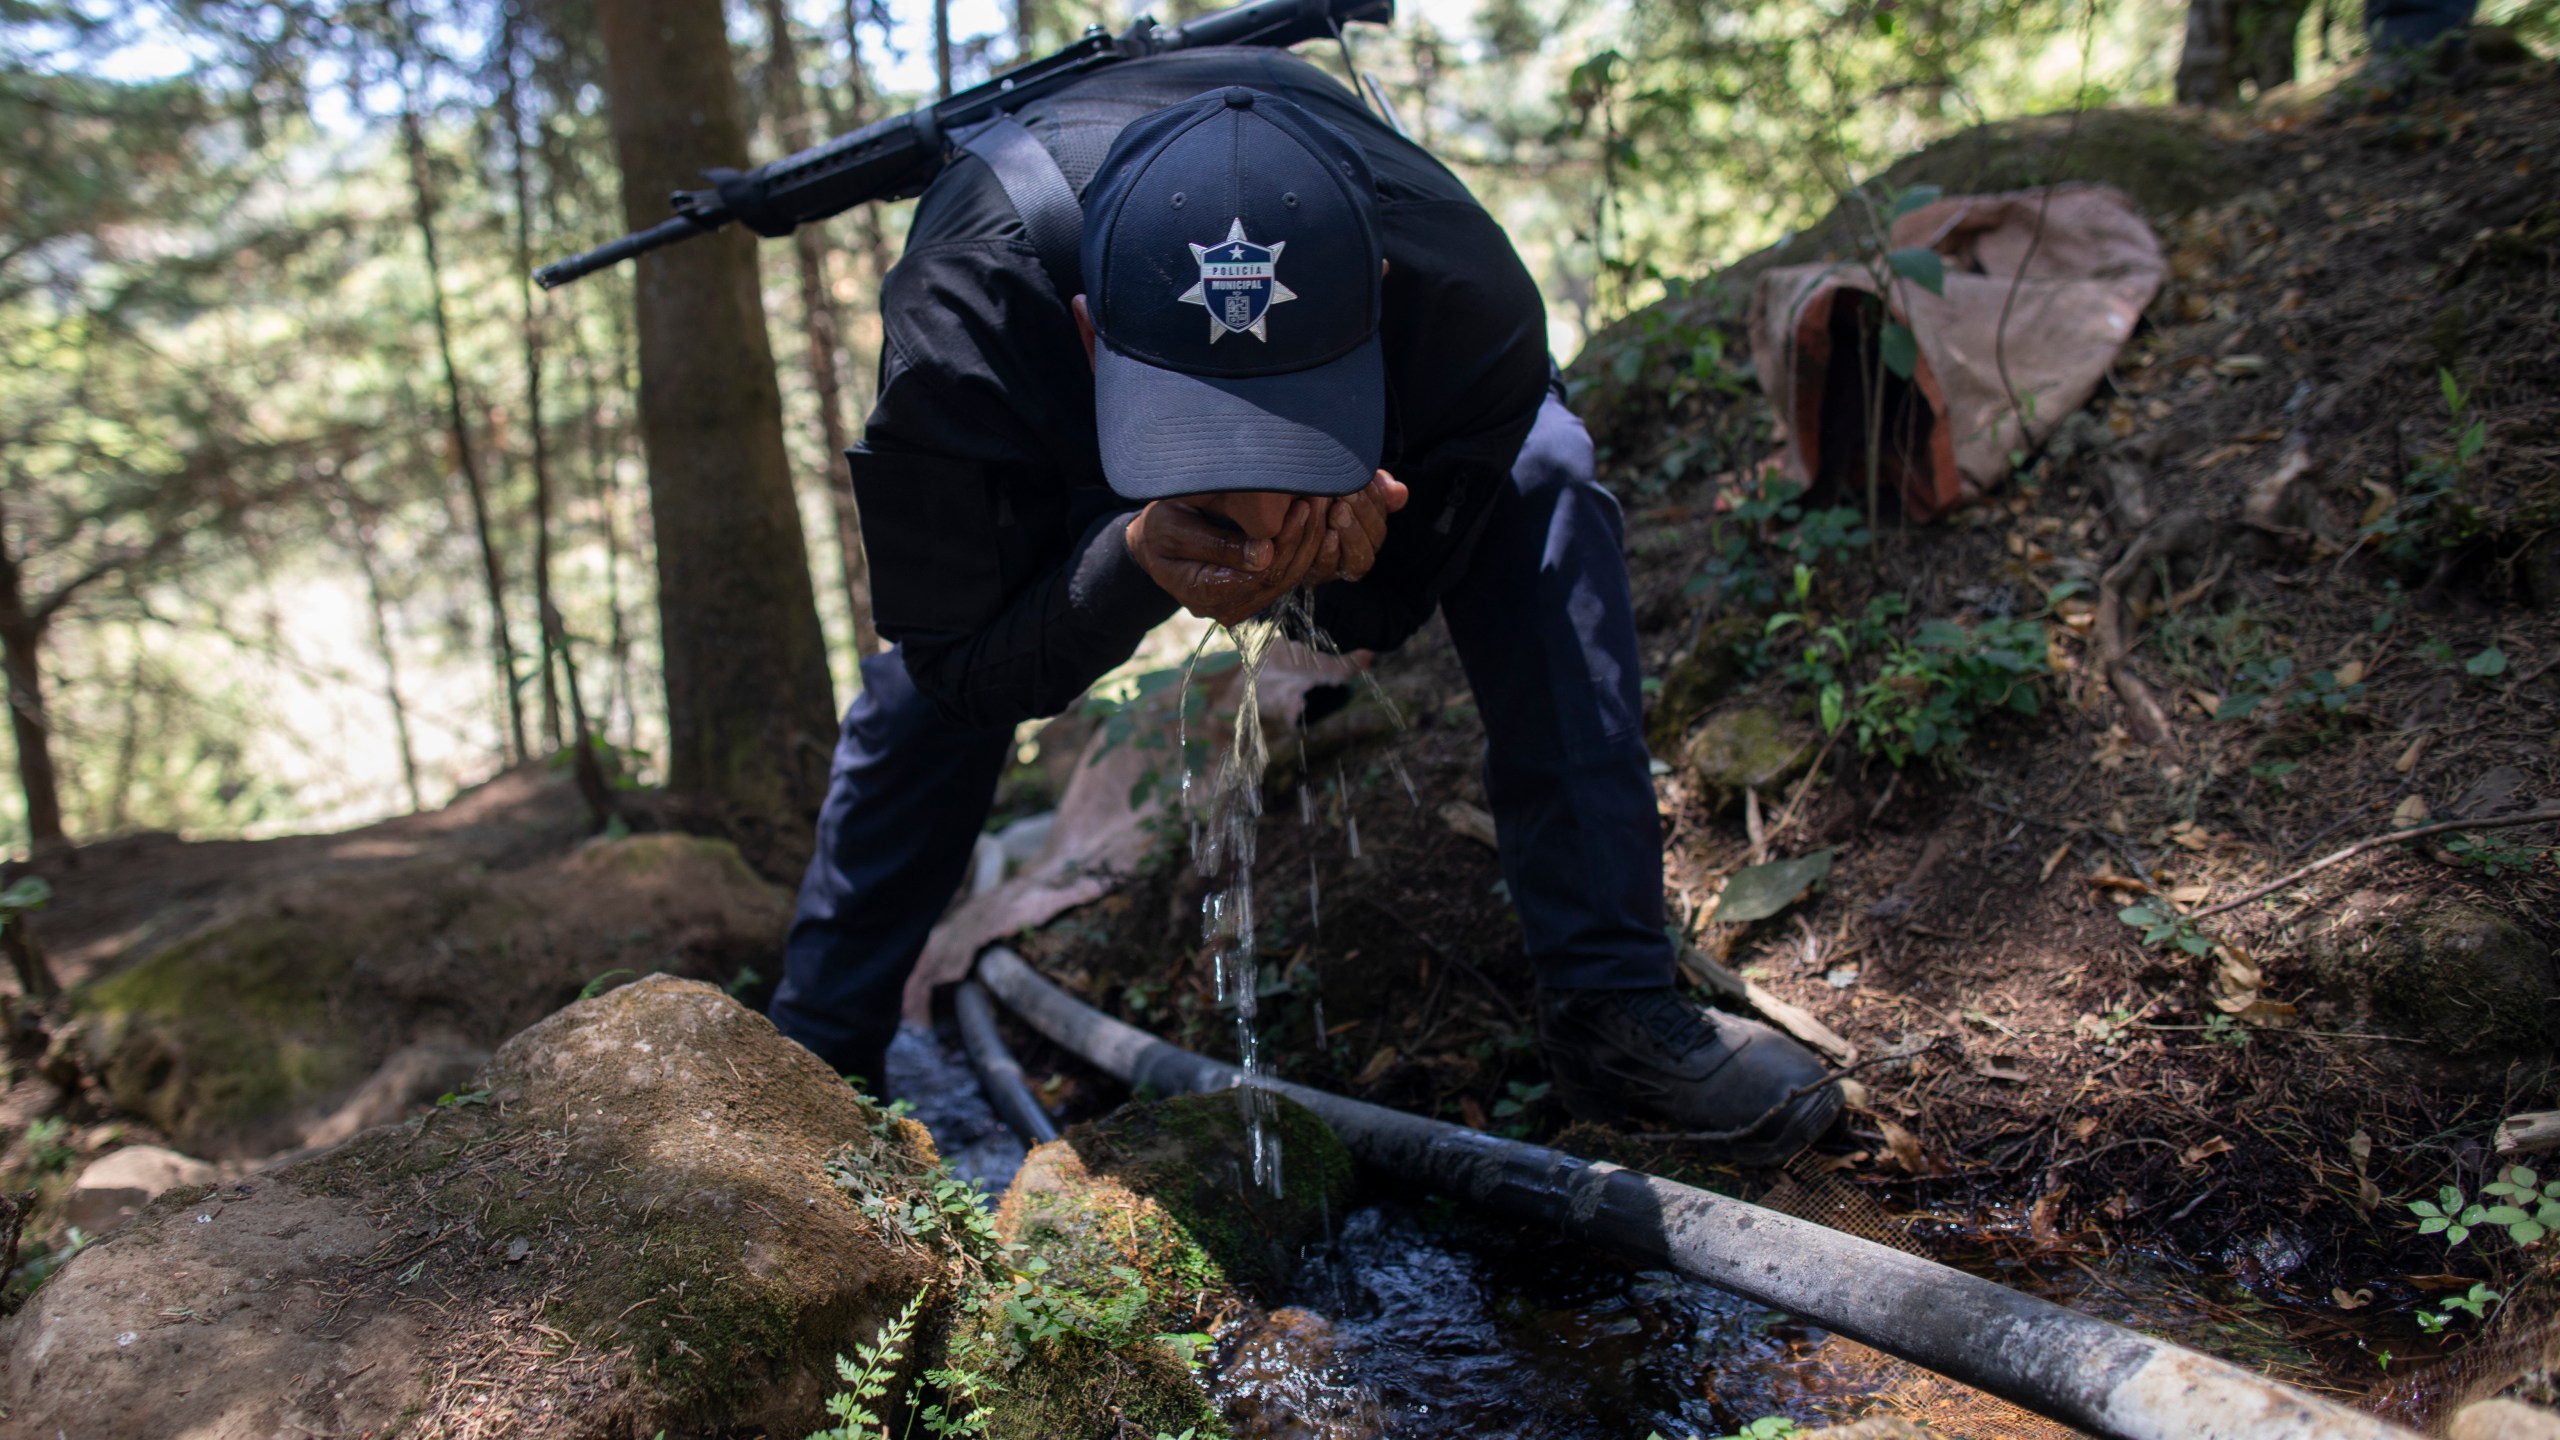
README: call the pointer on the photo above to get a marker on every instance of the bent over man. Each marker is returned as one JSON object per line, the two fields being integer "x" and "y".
{"x": 1196, "y": 333}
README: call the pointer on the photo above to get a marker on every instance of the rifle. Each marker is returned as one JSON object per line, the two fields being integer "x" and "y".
{"x": 897, "y": 157}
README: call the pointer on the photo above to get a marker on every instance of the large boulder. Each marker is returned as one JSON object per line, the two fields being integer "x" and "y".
{"x": 1150, "y": 1226}
{"x": 643, "y": 1221}
{"x": 245, "y": 1036}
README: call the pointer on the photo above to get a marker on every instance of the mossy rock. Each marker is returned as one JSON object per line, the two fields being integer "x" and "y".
{"x": 1746, "y": 747}
{"x": 1149, "y": 1217}
{"x": 635, "y": 1226}
{"x": 239, "y": 1037}
{"x": 1712, "y": 669}
{"x": 2466, "y": 979}
{"x": 225, "y": 1036}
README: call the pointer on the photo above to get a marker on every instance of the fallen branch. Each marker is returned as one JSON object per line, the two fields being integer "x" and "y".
{"x": 2124, "y": 586}
{"x": 2546, "y": 815}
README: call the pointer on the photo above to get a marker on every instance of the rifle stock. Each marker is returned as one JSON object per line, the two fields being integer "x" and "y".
{"x": 898, "y": 156}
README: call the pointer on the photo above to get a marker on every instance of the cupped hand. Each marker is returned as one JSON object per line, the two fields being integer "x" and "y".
{"x": 1216, "y": 572}
{"x": 1355, "y": 529}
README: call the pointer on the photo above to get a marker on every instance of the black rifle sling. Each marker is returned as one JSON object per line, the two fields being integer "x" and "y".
{"x": 1040, "y": 193}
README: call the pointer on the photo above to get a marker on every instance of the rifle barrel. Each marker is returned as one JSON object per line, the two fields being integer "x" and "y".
{"x": 665, "y": 232}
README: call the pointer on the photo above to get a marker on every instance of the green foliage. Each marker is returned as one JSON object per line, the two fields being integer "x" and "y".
{"x": 49, "y": 1150}
{"x": 2223, "y": 1030}
{"x": 2527, "y": 1209}
{"x": 2161, "y": 925}
{"x": 1124, "y": 718}
{"x": 26, "y": 894}
{"x": 2429, "y": 513}
{"x": 599, "y": 984}
{"x": 1935, "y": 689}
{"x": 2493, "y": 856}
{"x": 868, "y": 1377}
{"x": 2475, "y": 1303}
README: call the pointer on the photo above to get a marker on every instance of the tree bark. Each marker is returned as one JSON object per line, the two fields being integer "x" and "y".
{"x": 21, "y": 644}
{"x": 942, "y": 48}
{"x": 422, "y": 190}
{"x": 360, "y": 540}
{"x": 532, "y": 316}
{"x": 750, "y": 712}
{"x": 825, "y": 331}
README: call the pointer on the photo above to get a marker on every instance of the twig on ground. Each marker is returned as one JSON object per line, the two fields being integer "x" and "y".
{"x": 2546, "y": 815}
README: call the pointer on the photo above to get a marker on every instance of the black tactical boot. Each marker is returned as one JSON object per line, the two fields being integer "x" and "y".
{"x": 1656, "y": 1060}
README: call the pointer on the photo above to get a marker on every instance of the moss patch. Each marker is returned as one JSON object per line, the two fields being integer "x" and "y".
{"x": 1745, "y": 748}
{"x": 237, "y": 1024}
{"x": 1150, "y": 1227}
{"x": 236, "y": 1037}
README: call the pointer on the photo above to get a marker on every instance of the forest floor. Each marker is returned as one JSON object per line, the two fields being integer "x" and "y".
{"x": 2209, "y": 1125}
{"x": 2215, "y": 1137}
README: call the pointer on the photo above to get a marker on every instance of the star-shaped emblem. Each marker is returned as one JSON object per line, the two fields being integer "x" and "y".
{"x": 1239, "y": 283}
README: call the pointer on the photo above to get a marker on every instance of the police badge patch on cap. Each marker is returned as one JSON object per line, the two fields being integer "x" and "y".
{"x": 1302, "y": 409}
{"x": 1239, "y": 283}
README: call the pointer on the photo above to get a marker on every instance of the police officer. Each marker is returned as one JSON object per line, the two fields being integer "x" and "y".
{"x": 1195, "y": 333}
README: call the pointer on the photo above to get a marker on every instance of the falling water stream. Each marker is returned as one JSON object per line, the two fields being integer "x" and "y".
{"x": 1223, "y": 826}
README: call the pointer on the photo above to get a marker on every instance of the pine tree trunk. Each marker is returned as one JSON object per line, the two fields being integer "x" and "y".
{"x": 21, "y": 645}
{"x": 532, "y": 375}
{"x": 422, "y": 190}
{"x": 360, "y": 540}
{"x": 21, "y": 656}
{"x": 942, "y": 47}
{"x": 826, "y": 330}
{"x": 750, "y": 713}
{"x": 2234, "y": 42}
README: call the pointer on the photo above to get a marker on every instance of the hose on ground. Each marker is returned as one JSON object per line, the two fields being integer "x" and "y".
{"x": 2073, "y": 1368}
{"x": 998, "y": 1071}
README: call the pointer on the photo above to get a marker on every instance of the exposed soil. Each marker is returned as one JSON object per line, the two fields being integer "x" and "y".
{"x": 2043, "y": 1089}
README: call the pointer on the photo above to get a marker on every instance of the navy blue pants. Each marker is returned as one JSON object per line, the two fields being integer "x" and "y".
{"x": 2414, "y": 24}
{"x": 1545, "y": 627}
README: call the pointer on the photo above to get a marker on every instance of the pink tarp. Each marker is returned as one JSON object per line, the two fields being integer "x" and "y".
{"x": 2064, "y": 274}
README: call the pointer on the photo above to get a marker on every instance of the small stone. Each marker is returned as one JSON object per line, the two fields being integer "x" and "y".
{"x": 2503, "y": 1420}
{"x": 517, "y": 1249}
{"x": 116, "y": 1185}
{"x": 1749, "y": 748}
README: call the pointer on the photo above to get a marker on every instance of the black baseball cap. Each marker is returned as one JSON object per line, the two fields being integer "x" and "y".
{"x": 1231, "y": 270}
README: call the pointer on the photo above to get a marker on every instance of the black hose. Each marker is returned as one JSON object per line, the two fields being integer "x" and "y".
{"x": 2076, "y": 1369}
{"x": 998, "y": 1071}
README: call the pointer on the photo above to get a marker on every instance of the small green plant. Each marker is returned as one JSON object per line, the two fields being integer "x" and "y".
{"x": 49, "y": 1150}
{"x": 2223, "y": 1030}
{"x": 1931, "y": 693}
{"x": 601, "y": 983}
{"x": 1518, "y": 1105}
{"x": 2161, "y": 925}
{"x": 2475, "y": 1303}
{"x": 2527, "y": 1210}
{"x": 2489, "y": 664}
{"x": 2428, "y": 512}
{"x": 867, "y": 1378}
{"x": 2493, "y": 856}
{"x": 1767, "y": 1427}
{"x": 2531, "y": 1209}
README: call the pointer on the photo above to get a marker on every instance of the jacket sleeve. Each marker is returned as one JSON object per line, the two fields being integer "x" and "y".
{"x": 996, "y": 551}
